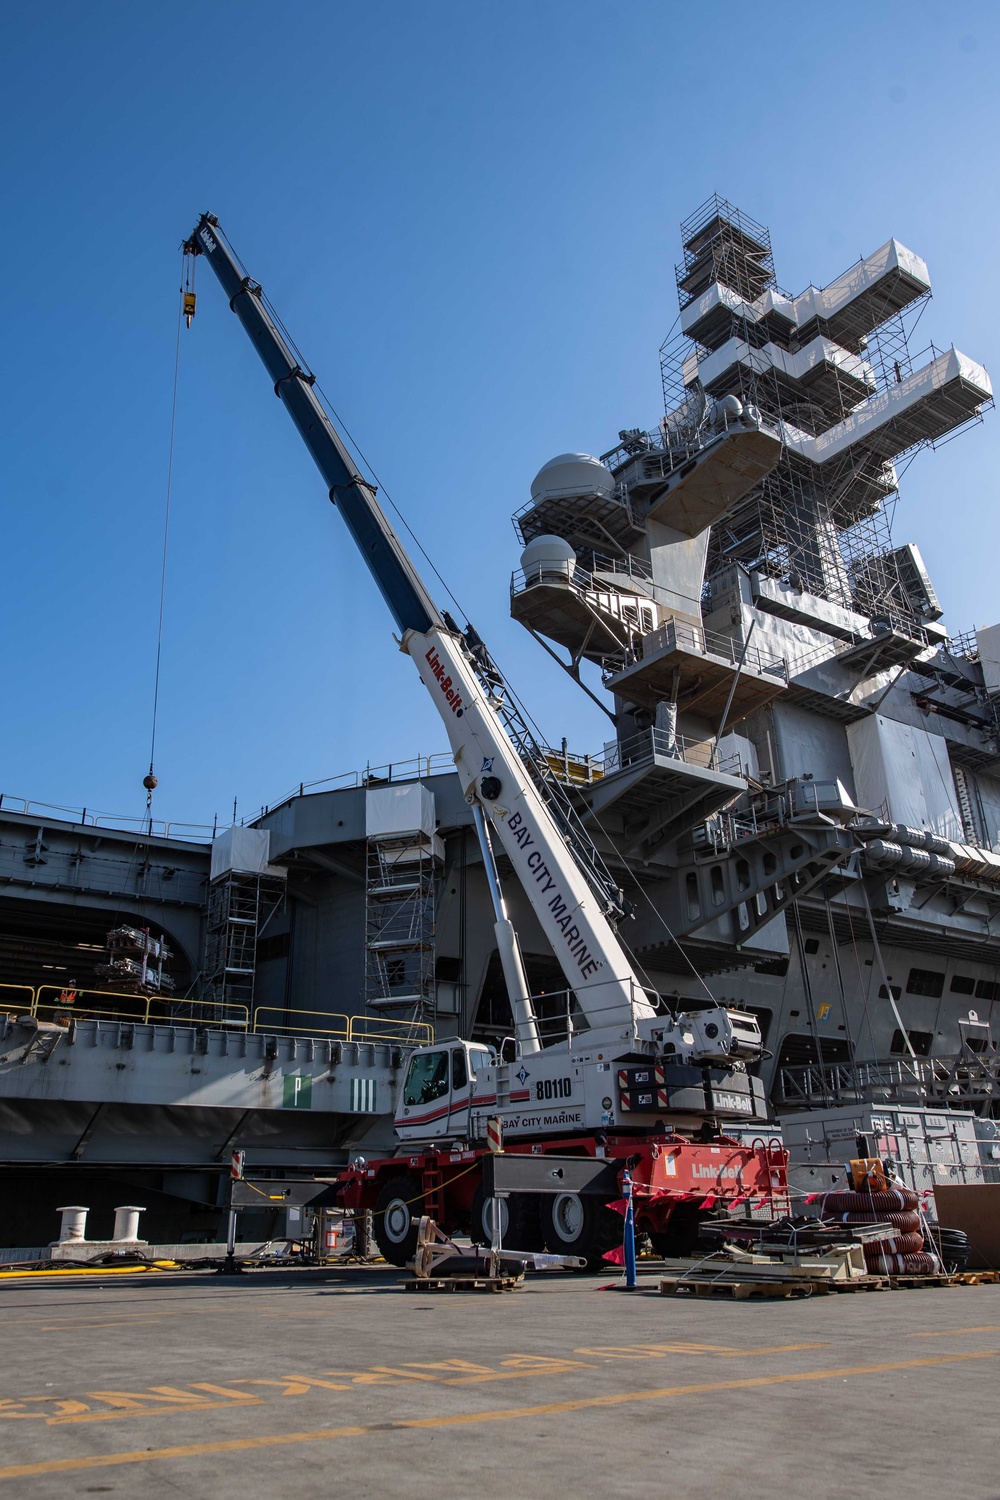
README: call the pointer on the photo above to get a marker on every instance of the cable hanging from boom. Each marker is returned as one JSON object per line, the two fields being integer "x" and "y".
{"x": 185, "y": 313}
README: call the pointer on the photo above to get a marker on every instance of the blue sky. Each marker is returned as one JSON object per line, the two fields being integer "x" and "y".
{"x": 466, "y": 214}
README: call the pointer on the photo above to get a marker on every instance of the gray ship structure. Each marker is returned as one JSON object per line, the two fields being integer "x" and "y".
{"x": 799, "y": 793}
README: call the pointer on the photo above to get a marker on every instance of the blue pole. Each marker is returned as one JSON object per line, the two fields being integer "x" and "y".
{"x": 630, "y": 1281}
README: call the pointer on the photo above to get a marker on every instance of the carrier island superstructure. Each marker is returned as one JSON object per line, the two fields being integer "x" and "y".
{"x": 799, "y": 790}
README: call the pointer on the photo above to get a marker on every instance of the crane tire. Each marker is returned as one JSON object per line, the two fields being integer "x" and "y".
{"x": 520, "y": 1230}
{"x": 396, "y": 1215}
{"x": 579, "y": 1224}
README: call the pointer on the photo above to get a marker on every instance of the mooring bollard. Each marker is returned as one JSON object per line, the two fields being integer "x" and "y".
{"x": 74, "y": 1223}
{"x": 127, "y": 1223}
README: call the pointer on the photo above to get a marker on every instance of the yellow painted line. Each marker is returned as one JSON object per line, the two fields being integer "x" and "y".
{"x": 463, "y": 1419}
{"x": 149, "y": 1411}
{"x": 664, "y": 1350}
{"x": 113, "y": 1323}
{"x": 945, "y": 1333}
{"x": 771, "y": 1349}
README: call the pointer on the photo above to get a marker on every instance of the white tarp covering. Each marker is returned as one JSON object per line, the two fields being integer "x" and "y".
{"x": 393, "y": 810}
{"x": 907, "y": 769}
{"x": 244, "y": 850}
{"x": 988, "y": 642}
{"x": 988, "y": 788}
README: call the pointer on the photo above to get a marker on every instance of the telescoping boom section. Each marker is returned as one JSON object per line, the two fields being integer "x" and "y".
{"x": 573, "y": 911}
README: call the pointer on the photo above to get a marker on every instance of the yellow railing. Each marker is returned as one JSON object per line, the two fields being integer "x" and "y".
{"x": 338, "y": 1026}
{"x": 343, "y": 1028}
{"x": 375, "y": 1029}
{"x": 10, "y": 1005}
{"x": 145, "y": 1010}
{"x": 46, "y": 1001}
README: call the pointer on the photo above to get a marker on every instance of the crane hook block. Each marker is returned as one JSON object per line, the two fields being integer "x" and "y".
{"x": 189, "y": 305}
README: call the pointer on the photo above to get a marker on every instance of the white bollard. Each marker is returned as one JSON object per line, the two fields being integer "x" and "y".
{"x": 74, "y": 1223}
{"x": 127, "y": 1223}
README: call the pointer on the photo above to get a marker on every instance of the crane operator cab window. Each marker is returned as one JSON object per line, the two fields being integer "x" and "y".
{"x": 480, "y": 1058}
{"x": 426, "y": 1079}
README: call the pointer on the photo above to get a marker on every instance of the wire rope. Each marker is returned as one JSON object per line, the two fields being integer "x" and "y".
{"x": 163, "y": 561}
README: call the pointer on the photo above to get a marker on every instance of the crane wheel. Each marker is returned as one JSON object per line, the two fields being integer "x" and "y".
{"x": 396, "y": 1215}
{"x": 579, "y": 1224}
{"x": 519, "y": 1226}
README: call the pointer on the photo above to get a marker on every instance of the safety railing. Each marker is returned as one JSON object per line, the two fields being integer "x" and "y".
{"x": 909, "y": 1077}
{"x": 677, "y": 635}
{"x": 45, "y": 1002}
{"x": 275, "y": 1018}
{"x": 562, "y": 1014}
{"x": 12, "y": 1006}
{"x": 633, "y": 611}
{"x": 616, "y": 497}
{"x": 200, "y": 833}
{"x": 660, "y": 742}
{"x": 50, "y": 1000}
{"x": 344, "y": 1028}
{"x": 627, "y": 565}
{"x": 413, "y": 769}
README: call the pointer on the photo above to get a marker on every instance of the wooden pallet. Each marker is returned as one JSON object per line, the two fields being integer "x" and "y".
{"x": 931, "y": 1278}
{"x": 740, "y": 1289}
{"x": 731, "y": 1290}
{"x": 462, "y": 1284}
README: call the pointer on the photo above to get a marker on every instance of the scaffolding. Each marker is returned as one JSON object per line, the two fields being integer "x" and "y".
{"x": 404, "y": 859}
{"x": 807, "y": 364}
{"x": 240, "y": 906}
{"x": 245, "y": 893}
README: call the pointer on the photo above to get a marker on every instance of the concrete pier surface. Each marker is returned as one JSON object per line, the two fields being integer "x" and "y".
{"x": 335, "y": 1381}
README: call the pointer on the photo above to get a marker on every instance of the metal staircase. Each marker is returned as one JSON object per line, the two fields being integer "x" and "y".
{"x": 538, "y": 765}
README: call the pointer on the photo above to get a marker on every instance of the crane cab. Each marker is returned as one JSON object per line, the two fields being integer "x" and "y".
{"x": 437, "y": 1090}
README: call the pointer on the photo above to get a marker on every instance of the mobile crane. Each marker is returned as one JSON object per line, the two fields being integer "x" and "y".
{"x": 623, "y": 1078}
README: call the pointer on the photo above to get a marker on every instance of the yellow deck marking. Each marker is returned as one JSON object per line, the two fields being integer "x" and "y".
{"x": 221, "y": 1390}
{"x": 151, "y": 1411}
{"x": 463, "y": 1419}
{"x": 944, "y": 1333}
{"x": 660, "y": 1351}
{"x": 111, "y": 1323}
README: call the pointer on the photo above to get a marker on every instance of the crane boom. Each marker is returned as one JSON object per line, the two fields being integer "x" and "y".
{"x": 401, "y": 586}
{"x": 491, "y": 769}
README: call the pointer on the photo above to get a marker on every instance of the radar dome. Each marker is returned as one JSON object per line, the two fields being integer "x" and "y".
{"x": 572, "y": 474}
{"x": 547, "y": 554}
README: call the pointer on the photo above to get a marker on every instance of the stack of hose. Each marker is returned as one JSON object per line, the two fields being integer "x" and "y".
{"x": 902, "y": 1251}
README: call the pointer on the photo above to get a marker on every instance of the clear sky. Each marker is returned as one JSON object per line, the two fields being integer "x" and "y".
{"x": 467, "y": 215}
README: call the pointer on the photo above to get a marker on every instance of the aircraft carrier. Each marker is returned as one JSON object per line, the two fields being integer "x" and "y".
{"x": 799, "y": 792}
